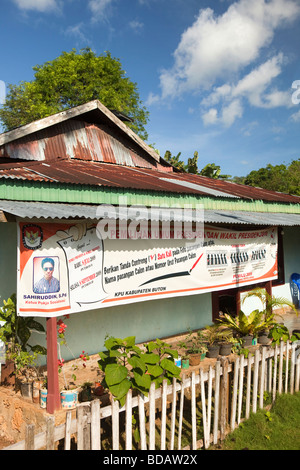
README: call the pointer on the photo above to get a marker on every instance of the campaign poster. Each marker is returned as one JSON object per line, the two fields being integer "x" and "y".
{"x": 65, "y": 268}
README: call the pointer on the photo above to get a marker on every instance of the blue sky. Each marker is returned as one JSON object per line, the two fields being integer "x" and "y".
{"x": 218, "y": 77}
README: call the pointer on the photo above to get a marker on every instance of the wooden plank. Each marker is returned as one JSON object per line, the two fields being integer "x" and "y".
{"x": 67, "y": 444}
{"x": 95, "y": 425}
{"x": 83, "y": 427}
{"x": 193, "y": 412}
{"x": 224, "y": 398}
{"x": 262, "y": 377}
{"x": 216, "y": 396}
{"x": 204, "y": 416}
{"x": 141, "y": 405}
{"x": 280, "y": 367}
{"x": 275, "y": 373}
{"x": 234, "y": 394}
{"x": 29, "y": 437}
{"x": 50, "y": 425}
{"x": 173, "y": 416}
{"x": 163, "y": 415}
{"x": 292, "y": 379}
{"x": 241, "y": 387}
{"x": 115, "y": 424}
{"x": 297, "y": 377}
{"x": 287, "y": 367}
{"x": 128, "y": 418}
{"x": 152, "y": 417}
{"x": 181, "y": 412}
{"x": 255, "y": 381}
{"x": 209, "y": 399}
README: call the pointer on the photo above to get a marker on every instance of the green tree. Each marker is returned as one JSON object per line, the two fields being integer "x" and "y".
{"x": 72, "y": 79}
{"x": 282, "y": 178}
{"x": 211, "y": 169}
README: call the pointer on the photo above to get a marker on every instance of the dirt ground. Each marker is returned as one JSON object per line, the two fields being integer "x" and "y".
{"x": 16, "y": 411}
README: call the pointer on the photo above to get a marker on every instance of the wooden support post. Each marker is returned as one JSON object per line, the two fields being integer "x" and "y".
{"x": 53, "y": 397}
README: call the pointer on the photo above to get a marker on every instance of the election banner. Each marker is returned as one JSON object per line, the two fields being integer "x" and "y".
{"x": 65, "y": 268}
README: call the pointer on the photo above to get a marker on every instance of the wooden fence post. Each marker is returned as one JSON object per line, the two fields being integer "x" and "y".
{"x": 224, "y": 398}
{"x": 50, "y": 425}
{"x": 83, "y": 427}
{"x": 95, "y": 425}
{"x": 217, "y": 400}
{"x": 29, "y": 437}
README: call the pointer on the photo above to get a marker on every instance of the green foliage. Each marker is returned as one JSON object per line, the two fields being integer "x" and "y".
{"x": 211, "y": 170}
{"x": 280, "y": 332}
{"x": 127, "y": 366}
{"x": 72, "y": 79}
{"x": 257, "y": 320}
{"x": 194, "y": 343}
{"x": 282, "y": 178}
{"x": 16, "y": 331}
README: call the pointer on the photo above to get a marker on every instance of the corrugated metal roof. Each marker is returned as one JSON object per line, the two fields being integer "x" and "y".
{"x": 45, "y": 210}
{"x": 119, "y": 176}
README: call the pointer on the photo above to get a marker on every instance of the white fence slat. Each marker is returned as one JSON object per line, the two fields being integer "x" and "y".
{"x": 163, "y": 415}
{"x": 67, "y": 444}
{"x": 115, "y": 423}
{"x": 128, "y": 421}
{"x": 209, "y": 398}
{"x": 248, "y": 391}
{"x": 95, "y": 425}
{"x": 173, "y": 417}
{"x": 234, "y": 394}
{"x": 241, "y": 388}
{"x": 297, "y": 376}
{"x": 280, "y": 367}
{"x": 275, "y": 372}
{"x": 181, "y": 412}
{"x": 204, "y": 416}
{"x": 193, "y": 411}
{"x": 255, "y": 381}
{"x": 262, "y": 377}
{"x": 152, "y": 417}
{"x": 287, "y": 367}
{"x": 292, "y": 381}
{"x": 216, "y": 396}
{"x": 141, "y": 404}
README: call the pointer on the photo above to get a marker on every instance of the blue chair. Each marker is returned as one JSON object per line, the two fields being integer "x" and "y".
{"x": 295, "y": 288}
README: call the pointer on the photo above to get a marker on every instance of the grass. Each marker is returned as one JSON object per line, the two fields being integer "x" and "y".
{"x": 277, "y": 429}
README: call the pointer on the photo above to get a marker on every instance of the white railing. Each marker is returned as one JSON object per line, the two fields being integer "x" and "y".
{"x": 189, "y": 414}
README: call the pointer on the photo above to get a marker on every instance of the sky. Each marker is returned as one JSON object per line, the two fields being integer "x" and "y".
{"x": 218, "y": 77}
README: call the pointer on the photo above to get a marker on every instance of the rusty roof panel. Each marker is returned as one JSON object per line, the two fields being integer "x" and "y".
{"x": 79, "y": 140}
{"x": 120, "y": 176}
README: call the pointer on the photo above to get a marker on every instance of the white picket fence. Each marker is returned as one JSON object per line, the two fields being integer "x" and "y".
{"x": 189, "y": 414}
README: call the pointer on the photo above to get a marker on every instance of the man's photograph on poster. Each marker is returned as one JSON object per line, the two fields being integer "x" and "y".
{"x": 46, "y": 274}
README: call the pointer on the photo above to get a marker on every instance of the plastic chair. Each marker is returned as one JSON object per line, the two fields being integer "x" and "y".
{"x": 295, "y": 288}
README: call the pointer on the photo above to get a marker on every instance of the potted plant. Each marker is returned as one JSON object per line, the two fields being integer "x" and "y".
{"x": 244, "y": 326}
{"x": 86, "y": 391}
{"x": 195, "y": 347}
{"x": 185, "y": 363}
{"x": 212, "y": 335}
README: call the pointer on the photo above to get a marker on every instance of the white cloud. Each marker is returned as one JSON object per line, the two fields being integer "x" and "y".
{"x": 216, "y": 47}
{"x": 295, "y": 116}
{"x": 221, "y": 59}
{"x": 100, "y": 8}
{"x": 136, "y": 26}
{"x": 38, "y": 5}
